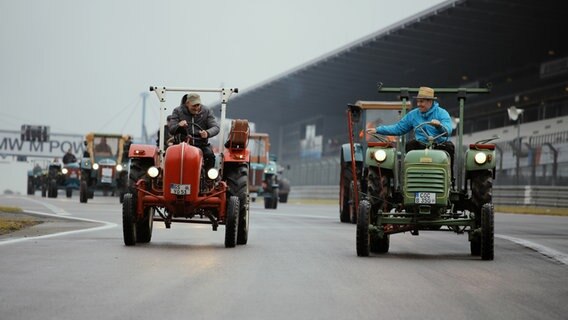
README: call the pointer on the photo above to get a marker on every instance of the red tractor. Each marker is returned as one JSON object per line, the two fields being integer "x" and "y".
{"x": 172, "y": 185}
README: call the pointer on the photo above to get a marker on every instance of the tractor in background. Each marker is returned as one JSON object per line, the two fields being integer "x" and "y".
{"x": 102, "y": 164}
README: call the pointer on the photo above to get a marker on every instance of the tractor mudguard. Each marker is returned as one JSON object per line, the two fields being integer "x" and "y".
{"x": 144, "y": 151}
{"x": 474, "y": 149}
{"x": 236, "y": 155}
{"x": 389, "y": 161}
{"x": 182, "y": 172}
{"x": 346, "y": 152}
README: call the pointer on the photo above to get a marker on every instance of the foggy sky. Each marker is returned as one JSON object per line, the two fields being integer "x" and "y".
{"x": 81, "y": 66}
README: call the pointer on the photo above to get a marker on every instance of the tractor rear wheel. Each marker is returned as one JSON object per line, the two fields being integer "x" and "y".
{"x": 481, "y": 189}
{"x": 129, "y": 220}
{"x": 379, "y": 189}
{"x": 344, "y": 184}
{"x": 352, "y": 208}
{"x": 487, "y": 232}
{"x": 363, "y": 239}
{"x": 231, "y": 222}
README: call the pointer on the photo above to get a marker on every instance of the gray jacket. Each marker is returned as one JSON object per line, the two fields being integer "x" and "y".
{"x": 205, "y": 119}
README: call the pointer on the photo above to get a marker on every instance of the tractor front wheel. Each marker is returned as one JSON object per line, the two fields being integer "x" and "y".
{"x": 487, "y": 232}
{"x": 83, "y": 196}
{"x": 144, "y": 226}
{"x": 129, "y": 220}
{"x": 362, "y": 239}
{"x": 231, "y": 222}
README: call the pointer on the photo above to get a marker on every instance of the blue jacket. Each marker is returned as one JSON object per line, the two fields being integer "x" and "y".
{"x": 414, "y": 118}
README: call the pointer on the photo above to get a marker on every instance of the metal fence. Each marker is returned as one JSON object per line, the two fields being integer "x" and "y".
{"x": 532, "y": 196}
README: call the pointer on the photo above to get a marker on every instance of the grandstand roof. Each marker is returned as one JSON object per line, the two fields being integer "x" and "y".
{"x": 463, "y": 43}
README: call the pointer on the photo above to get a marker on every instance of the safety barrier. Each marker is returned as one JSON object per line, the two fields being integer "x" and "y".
{"x": 537, "y": 196}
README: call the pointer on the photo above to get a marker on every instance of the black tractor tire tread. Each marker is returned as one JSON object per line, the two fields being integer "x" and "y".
{"x": 362, "y": 238}
{"x": 346, "y": 178}
{"x": 232, "y": 222}
{"x": 144, "y": 227}
{"x": 237, "y": 183}
{"x": 129, "y": 220}
{"x": 487, "y": 232}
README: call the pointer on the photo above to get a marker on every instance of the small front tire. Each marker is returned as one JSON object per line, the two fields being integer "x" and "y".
{"x": 231, "y": 222}
{"x": 129, "y": 220}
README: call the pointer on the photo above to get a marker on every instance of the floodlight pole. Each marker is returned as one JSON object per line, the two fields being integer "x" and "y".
{"x": 519, "y": 146}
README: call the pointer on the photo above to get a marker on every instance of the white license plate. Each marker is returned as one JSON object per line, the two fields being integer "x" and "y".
{"x": 180, "y": 189}
{"x": 425, "y": 197}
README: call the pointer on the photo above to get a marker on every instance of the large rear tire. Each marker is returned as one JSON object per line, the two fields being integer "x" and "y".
{"x": 487, "y": 232}
{"x": 231, "y": 222}
{"x": 363, "y": 239}
{"x": 129, "y": 220}
{"x": 379, "y": 189}
{"x": 344, "y": 184}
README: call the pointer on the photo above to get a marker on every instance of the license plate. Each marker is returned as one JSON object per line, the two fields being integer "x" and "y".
{"x": 180, "y": 189}
{"x": 425, "y": 197}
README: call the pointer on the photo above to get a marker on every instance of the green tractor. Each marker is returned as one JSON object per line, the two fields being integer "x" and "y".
{"x": 397, "y": 192}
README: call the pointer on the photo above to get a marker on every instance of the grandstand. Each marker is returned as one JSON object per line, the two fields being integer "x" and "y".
{"x": 513, "y": 45}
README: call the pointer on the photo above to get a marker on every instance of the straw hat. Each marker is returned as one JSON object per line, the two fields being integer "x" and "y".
{"x": 426, "y": 93}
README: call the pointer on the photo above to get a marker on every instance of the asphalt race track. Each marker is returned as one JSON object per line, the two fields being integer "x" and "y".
{"x": 299, "y": 263}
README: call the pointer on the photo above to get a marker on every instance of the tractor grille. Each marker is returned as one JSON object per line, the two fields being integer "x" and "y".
{"x": 425, "y": 180}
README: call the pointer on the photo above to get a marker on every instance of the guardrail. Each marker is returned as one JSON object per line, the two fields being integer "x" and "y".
{"x": 534, "y": 196}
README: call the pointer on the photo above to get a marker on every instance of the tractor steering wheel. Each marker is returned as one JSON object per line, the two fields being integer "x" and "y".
{"x": 193, "y": 138}
{"x": 430, "y": 138}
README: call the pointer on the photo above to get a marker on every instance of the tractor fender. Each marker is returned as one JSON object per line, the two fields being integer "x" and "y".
{"x": 182, "y": 172}
{"x": 236, "y": 155}
{"x": 471, "y": 165}
{"x": 389, "y": 161}
{"x": 138, "y": 151}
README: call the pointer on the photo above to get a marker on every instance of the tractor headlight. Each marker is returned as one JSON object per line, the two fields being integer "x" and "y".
{"x": 269, "y": 170}
{"x": 119, "y": 167}
{"x": 64, "y": 170}
{"x": 95, "y": 166}
{"x": 480, "y": 158}
{"x": 212, "y": 173}
{"x": 153, "y": 172}
{"x": 380, "y": 155}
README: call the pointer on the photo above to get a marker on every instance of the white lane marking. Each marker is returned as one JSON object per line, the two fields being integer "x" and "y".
{"x": 551, "y": 253}
{"x": 267, "y": 214}
{"x": 54, "y": 209}
{"x": 106, "y": 225}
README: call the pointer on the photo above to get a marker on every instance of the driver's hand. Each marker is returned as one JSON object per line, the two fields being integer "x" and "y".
{"x": 182, "y": 123}
{"x": 435, "y": 123}
{"x": 203, "y": 134}
{"x": 372, "y": 130}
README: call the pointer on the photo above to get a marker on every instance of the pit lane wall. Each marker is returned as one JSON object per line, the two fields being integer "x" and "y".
{"x": 525, "y": 196}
